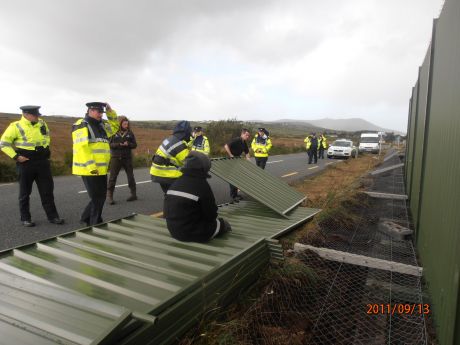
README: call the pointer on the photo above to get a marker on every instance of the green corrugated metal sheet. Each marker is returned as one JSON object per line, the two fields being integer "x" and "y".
{"x": 439, "y": 219}
{"x": 411, "y": 137}
{"x": 134, "y": 263}
{"x": 419, "y": 129}
{"x": 258, "y": 183}
{"x": 33, "y": 312}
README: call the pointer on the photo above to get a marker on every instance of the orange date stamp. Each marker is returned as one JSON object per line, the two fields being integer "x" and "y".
{"x": 398, "y": 308}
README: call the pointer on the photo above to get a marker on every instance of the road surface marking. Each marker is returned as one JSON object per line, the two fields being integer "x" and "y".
{"x": 5, "y": 184}
{"x": 275, "y": 162}
{"x": 120, "y": 185}
{"x": 157, "y": 215}
{"x": 290, "y": 174}
{"x": 330, "y": 163}
{"x": 313, "y": 167}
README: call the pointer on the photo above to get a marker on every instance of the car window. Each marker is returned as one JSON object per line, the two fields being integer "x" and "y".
{"x": 342, "y": 143}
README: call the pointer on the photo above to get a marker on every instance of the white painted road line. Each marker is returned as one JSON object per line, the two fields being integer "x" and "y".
{"x": 313, "y": 167}
{"x": 275, "y": 162}
{"x": 5, "y": 184}
{"x": 120, "y": 185}
{"x": 329, "y": 163}
{"x": 290, "y": 174}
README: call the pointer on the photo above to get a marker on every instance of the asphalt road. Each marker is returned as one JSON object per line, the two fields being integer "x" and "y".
{"x": 71, "y": 198}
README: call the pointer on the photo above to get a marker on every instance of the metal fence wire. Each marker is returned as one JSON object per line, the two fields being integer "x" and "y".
{"x": 313, "y": 300}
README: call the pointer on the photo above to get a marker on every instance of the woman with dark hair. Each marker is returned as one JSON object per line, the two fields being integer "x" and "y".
{"x": 121, "y": 145}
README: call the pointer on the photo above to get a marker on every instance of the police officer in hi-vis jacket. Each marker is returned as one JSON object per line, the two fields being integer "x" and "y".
{"x": 27, "y": 141}
{"x": 91, "y": 156}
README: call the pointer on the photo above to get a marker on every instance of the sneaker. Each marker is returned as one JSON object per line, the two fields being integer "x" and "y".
{"x": 28, "y": 223}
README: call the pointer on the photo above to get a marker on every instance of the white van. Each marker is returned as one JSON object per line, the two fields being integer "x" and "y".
{"x": 369, "y": 142}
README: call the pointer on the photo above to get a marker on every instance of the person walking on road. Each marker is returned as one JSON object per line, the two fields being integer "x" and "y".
{"x": 91, "y": 156}
{"x": 170, "y": 156}
{"x": 27, "y": 141}
{"x": 322, "y": 145}
{"x": 190, "y": 207}
{"x": 261, "y": 145}
{"x": 121, "y": 145}
{"x": 235, "y": 148}
{"x": 200, "y": 142}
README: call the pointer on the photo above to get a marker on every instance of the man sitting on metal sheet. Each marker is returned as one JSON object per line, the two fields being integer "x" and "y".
{"x": 189, "y": 206}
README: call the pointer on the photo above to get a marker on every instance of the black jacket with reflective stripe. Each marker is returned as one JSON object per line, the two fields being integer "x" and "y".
{"x": 192, "y": 212}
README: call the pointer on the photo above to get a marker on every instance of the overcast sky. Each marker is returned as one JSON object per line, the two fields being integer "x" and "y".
{"x": 211, "y": 59}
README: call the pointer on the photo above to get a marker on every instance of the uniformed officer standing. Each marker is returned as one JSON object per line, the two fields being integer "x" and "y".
{"x": 170, "y": 156}
{"x": 91, "y": 156}
{"x": 30, "y": 138}
{"x": 200, "y": 142}
{"x": 261, "y": 145}
{"x": 322, "y": 145}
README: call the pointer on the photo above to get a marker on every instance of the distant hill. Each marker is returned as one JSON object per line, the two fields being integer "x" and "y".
{"x": 349, "y": 125}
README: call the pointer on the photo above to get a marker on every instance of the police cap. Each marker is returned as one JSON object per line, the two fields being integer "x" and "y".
{"x": 31, "y": 109}
{"x": 261, "y": 129}
{"x": 97, "y": 106}
{"x": 198, "y": 128}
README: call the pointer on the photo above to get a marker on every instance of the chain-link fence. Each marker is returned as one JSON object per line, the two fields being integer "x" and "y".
{"x": 317, "y": 300}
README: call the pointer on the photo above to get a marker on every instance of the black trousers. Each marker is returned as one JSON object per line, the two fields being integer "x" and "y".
{"x": 116, "y": 163}
{"x": 313, "y": 155}
{"x": 233, "y": 191}
{"x": 96, "y": 186}
{"x": 40, "y": 172}
{"x": 261, "y": 162}
{"x": 321, "y": 152}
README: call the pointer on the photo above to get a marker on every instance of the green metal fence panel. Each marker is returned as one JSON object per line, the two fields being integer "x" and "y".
{"x": 411, "y": 137}
{"x": 258, "y": 183}
{"x": 419, "y": 130}
{"x": 134, "y": 265}
{"x": 34, "y": 312}
{"x": 439, "y": 218}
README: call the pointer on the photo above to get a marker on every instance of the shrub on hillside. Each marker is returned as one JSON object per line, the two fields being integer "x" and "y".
{"x": 220, "y": 132}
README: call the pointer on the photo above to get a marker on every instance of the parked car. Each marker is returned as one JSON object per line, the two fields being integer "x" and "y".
{"x": 342, "y": 148}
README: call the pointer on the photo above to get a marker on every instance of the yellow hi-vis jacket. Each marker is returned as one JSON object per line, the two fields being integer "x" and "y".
{"x": 322, "y": 142}
{"x": 91, "y": 153}
{"x": 169, "y": 158}
{"x": 307, "y": 142}
{"x": 24, "y": 135}
{"x": 202, "y": 146}
{"x": 261, "y": 146}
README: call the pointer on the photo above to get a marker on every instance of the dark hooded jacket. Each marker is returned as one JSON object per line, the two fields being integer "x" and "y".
{"x": 189, "y": 206}
{"x": 171, "y": 154}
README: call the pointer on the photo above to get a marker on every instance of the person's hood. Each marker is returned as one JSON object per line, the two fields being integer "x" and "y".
{"x": 197, "y": 164}
{"x": 183, "y": 130}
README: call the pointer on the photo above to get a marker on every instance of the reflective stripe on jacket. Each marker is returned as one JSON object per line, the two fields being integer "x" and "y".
{"x": 24, "y": 135}
{"x": 91, "y": 152}
{"x": 261, "y": 146}
{"x": 201, "y": 144}
{"x": 169, "y": 158}
{"x": 322, "y": 142}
